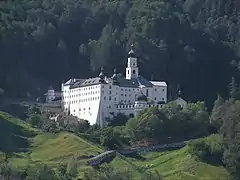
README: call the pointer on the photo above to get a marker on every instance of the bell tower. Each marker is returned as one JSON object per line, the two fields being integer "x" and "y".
{"x": 132, "y": 68}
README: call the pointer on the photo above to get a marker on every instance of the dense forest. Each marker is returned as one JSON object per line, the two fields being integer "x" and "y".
{"x": 191, "y": 43}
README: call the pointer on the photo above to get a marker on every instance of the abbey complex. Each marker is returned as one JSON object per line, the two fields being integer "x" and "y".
{"x": 99, "y": 98}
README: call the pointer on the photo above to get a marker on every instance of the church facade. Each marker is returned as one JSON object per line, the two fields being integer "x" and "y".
{"x": 101, "y": 98}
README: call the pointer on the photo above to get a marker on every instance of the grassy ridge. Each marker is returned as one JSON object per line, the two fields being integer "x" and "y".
{"x": 179, "y": 164}
{"x": 28, "y": 146}
{"x": 54, "y": 149}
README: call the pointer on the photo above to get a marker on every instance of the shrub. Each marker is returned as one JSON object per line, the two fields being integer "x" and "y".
{"x": 209, "y": 149}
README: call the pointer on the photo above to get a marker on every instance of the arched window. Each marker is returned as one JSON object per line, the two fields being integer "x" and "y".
{"x": 134, "y": 71}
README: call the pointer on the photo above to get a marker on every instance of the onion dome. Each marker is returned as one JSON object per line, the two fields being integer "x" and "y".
{"x": 142, "y": 97}
{"x": 131, "y": 53}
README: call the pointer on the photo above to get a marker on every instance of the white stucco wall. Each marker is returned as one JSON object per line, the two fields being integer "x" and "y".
{"x": 85, "y": 102}
{"x": 66, "y": 96}
{"x": 159, "y": 91}
{"x": 181, "y": 102}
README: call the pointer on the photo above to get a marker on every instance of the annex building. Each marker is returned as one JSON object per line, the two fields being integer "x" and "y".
{"x": 100, "y": 98}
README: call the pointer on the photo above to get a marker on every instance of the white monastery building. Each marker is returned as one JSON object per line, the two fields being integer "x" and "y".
{"x": 101, "y": 98}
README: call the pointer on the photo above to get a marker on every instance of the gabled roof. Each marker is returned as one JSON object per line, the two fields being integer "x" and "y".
{"x": 77, "y": 83}
{"x": 72, "y": 81}
{"x": 159, "y": 83}
{"x": 134, "y": 83}
{"x": 120, "y": 81}
{"x": 87, "y": 82}
{"x": 180, "y": 99}
{"x": 144, "y": 82}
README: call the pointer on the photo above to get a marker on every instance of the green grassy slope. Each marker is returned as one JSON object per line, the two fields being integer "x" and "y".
{"x": 55, "y": 149}
{"x": 179, "y": 164}
{"x": 28, "y": 146}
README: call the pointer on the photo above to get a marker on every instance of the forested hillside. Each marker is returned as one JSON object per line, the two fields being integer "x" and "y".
{"x": 193, "y": 43}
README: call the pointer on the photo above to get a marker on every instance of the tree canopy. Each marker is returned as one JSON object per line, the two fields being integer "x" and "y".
{"x": 184, "y": 42}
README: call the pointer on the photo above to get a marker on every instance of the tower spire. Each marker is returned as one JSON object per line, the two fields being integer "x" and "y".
{"x": 131, "y": 53}
{"x": 179, "y": 91}
{"x": 132, "y": 68}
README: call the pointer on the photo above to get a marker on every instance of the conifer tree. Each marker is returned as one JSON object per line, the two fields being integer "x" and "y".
{"x": 233, "y": 88}
{"x": 215, "y": 119}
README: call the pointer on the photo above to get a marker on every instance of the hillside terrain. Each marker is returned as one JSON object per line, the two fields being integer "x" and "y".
{"x": 179, "y": 164}
{"x": 54, "y": 149}
{"x": 41, "y": 147}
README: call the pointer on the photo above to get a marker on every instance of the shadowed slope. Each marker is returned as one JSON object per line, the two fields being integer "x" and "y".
{"x": 14, "y": 134}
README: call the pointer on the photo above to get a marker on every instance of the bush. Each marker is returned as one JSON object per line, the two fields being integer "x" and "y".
{"x": 198, "y": 148}
{"x": 208, "y": 149}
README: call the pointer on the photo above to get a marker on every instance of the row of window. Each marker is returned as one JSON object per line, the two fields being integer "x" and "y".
{"x": 109, "y": 98}
{"x": 125, "y": 106}
{"x": 83, "y": 94}
{"x": 97, "y": 92}
{"x": 79, "y": 95}
{"x": 82, "y": 89}
{"x": 82, "y": 100}
{"x": 82, "y": 109}
{"x": 75, "y": 114}
{"x": 95, "y": 87}
{"x": 132, "y": 106}
{"x": 97, "y": 98}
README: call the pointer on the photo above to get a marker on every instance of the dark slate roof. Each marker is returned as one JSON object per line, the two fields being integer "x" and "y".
{"x": 71, "y": 81}
{"x": 87, "y": 82}
{"x": 120, "y": 81}
{"x": 144, "y": 82}
{"x": 134, "y": 83}
{"x": 77, "y": 83}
